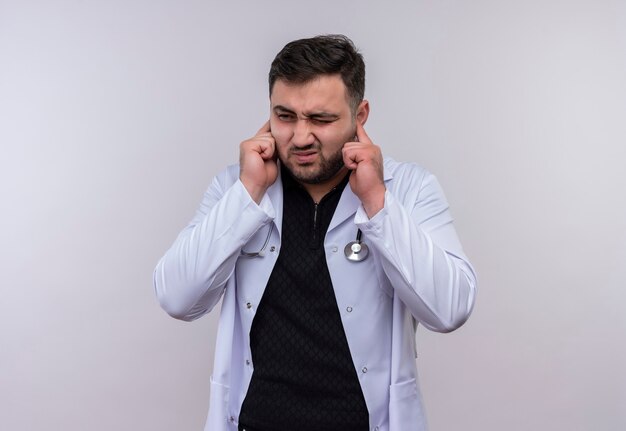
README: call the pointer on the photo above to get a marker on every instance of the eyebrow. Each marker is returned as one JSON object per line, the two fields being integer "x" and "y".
{"x": 321, "y": 114}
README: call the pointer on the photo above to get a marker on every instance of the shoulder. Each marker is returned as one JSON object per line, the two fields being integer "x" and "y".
{"x": 404, "y": 174}
{"x": 412, "y": 184}
{"x": 227, "y": 176}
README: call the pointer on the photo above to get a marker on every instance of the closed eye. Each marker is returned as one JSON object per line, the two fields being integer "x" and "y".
{"x": 322, "y": 120}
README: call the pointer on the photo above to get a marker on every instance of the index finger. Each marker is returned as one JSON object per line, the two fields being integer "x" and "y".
{"x": 265, "y": 128}
{"x": 360, "y": 133}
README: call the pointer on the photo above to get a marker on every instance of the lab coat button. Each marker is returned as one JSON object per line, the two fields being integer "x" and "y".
{"x": 232, "y": 419}
{"x": 364, "y": 370}
{"x": 334, "y": 249}
{"x": 247, "y": 361}
{"x": 376, "y": 428}
{"x": 349, "y": 309}
{"x": 248, "y": 305}
{"x": 272, "y": 249}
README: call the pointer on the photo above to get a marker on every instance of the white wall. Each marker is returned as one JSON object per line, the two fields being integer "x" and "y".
{"x": 114, "y": 116}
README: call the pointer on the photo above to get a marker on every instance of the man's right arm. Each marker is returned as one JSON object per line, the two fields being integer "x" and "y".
{"x": 190, "y": 278}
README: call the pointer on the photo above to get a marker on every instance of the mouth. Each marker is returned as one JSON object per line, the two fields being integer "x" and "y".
{"x": 304, "y": 157}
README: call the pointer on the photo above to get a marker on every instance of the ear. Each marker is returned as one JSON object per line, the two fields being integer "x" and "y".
{"x": 362, "y": 112}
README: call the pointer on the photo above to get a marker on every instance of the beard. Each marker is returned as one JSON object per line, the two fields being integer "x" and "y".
{"x": 321, "y": 171}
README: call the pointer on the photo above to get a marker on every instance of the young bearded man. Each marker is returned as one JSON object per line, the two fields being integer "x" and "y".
{"x": 326, "y": 256}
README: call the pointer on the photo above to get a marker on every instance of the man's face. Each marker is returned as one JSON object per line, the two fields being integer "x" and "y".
{"x": 310, "y": 123}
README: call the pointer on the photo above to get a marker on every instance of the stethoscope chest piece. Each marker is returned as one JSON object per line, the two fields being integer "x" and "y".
{"x": 356, "y": 251}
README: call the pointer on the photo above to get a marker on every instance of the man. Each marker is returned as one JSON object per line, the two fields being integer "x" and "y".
{"x": 326, "y": 256}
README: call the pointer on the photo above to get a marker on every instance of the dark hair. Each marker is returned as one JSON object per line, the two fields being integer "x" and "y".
{"x": 303, "y": 60}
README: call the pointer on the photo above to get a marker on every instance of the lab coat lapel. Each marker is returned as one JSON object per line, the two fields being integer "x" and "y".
{"x": 349, "y": 203}
{"x": 347, "y": 206}
{"x": 275, "y": 193}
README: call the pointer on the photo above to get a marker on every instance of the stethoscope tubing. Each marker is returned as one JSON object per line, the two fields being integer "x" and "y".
{"x": 355, "y": 251}
{"x": 261, "y": 252}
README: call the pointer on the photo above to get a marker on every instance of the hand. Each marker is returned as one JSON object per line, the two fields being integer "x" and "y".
{"x": 365, "y": 160}
{"x": 257, "y": 162}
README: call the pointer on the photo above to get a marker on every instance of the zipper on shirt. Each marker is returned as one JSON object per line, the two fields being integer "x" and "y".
{"x": 315, "y": 207}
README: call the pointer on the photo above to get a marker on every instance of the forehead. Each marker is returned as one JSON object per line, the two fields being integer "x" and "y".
{"x": 324, "y": 93}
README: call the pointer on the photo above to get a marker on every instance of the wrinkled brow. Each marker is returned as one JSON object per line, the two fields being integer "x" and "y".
{"x": 321, "y": 114}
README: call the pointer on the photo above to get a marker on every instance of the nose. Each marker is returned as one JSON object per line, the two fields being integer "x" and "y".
{"x": 302, "y": 135}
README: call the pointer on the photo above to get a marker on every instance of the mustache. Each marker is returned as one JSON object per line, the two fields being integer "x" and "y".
{"x": 307, "y": 148}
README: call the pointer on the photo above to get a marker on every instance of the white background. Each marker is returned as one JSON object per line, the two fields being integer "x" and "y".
{"x": 115, "y": 115}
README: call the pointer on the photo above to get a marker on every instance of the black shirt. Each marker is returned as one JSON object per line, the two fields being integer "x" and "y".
{"x": 304, "y": 378}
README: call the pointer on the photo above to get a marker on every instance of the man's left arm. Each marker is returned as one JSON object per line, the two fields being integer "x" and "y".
{"x": 415, "y": 239}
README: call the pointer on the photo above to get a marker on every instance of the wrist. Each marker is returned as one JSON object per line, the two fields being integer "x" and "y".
{"x": 374, "y": 202}
{"x": 255, "y": 191}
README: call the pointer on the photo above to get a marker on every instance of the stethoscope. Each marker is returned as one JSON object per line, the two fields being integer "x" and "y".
{"x": 261, "y": 252}
{"x": 355, "y": 251}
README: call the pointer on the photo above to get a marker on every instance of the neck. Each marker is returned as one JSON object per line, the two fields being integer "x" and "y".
{"x": 318, "y": 191}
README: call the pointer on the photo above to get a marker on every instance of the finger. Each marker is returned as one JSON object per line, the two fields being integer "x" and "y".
{"x": 352, "y": 145}
{"x": 264, "y": 137}
{"x": 360, "y": 133}
{"x": 258, "y": 143}
{"x": 266, "y": 150}
{"x": 350, "y": 158}
{"x": 265, "y": 128}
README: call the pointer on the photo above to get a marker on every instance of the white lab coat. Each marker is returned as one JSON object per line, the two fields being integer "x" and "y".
{"x": 416, "y": 273}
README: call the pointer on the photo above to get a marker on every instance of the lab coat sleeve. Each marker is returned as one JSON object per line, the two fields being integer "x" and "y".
{"x": 421, "y": 254}
{"x": 190, "y": 278}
